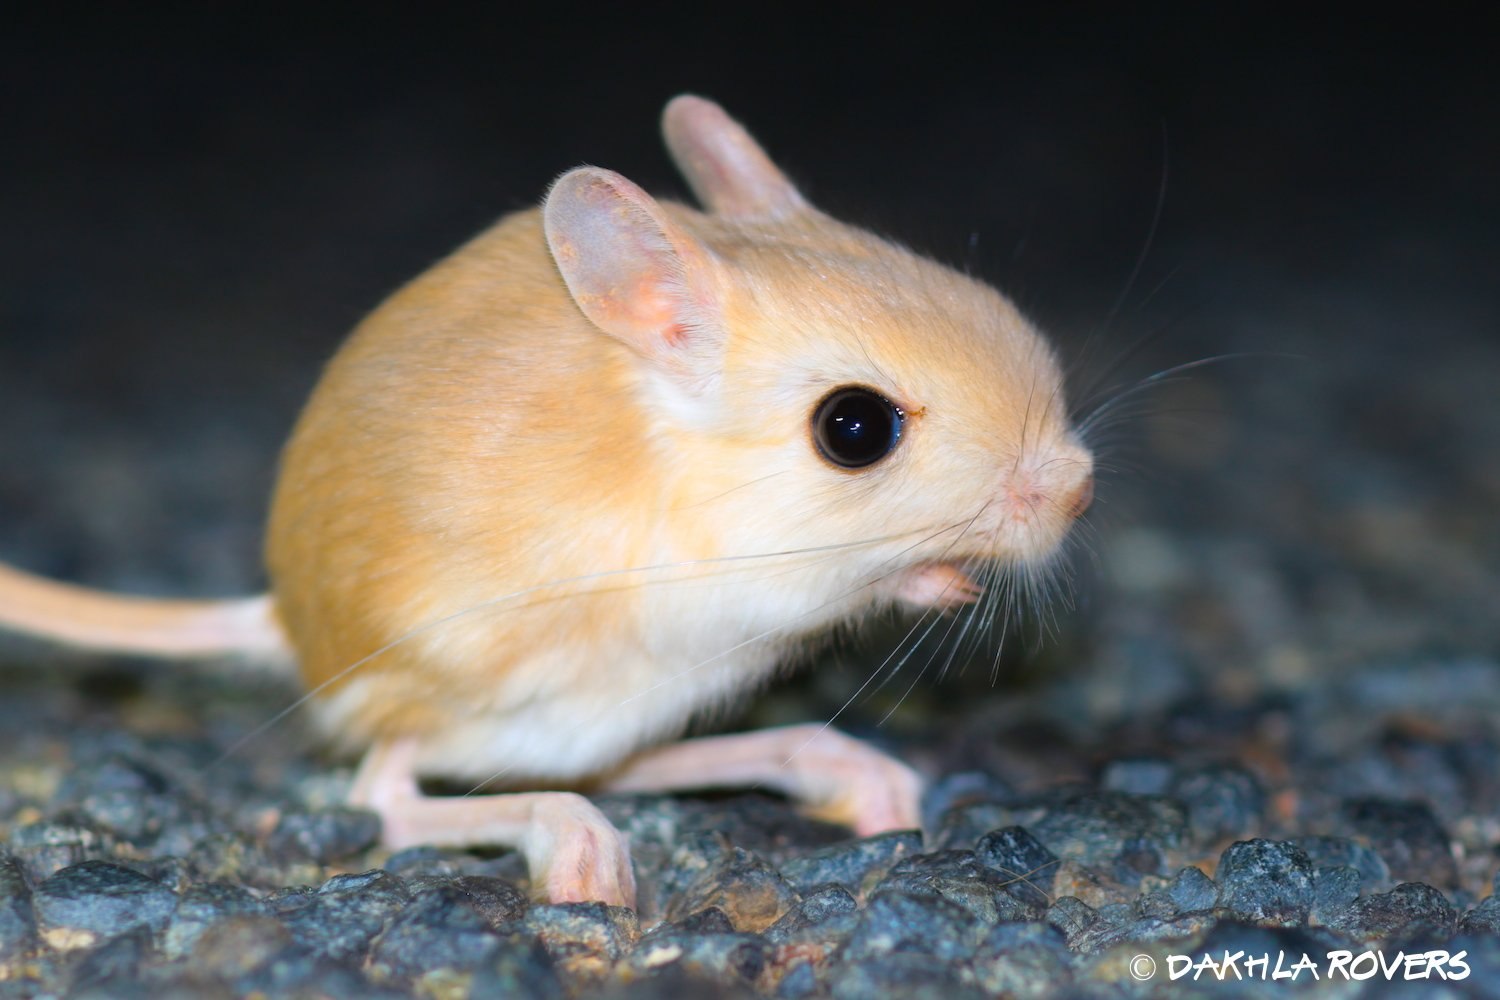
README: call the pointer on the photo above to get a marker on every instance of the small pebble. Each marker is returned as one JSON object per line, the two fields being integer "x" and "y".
{"x": 441, "y": 928}
{"x": 675, "y": 873}
{"x": 413, "y": 862}
{"x": 1189, "y": 891}
{"x": 850, "y": 864}
{"x": 1017, "y": 855}
{"x": 959, "y": 877}
{"x": 200, "y": 907}
{"x": 1094, "y": 888}
{"x": 1483, "y": 919}
{"x": 499, "y": 902}
{"x": 1097, "y": 828}
{"x": 237, "y": 945}
{"x": 1024, "y": 960}
{"x": 1115, "y": 915}
{"x": 1407, "y": 836}
{"x": 101, "y": 971}
{"x": 1408, "y": 909}
{"x": 751, "y": 893}
{"x": 593, "y": 927}
{"x": 131, "y": 799}
{"x": 1265, "y": 882}
{"x": 1224, "y": 801}
{"x": 1334, "y": 891}
{"x": 1071, "y": 916}
{"x": 17, "y": 920}
{"x": 518, "y": 969}
{"x": 799, "y": 982}
{"x": 1192, "y": 891}
{"x": 959, "y": 790}
{"x": 339, "y": 919}
{"x": 81, "y": 905}
{"x": 232, "y": 857}
{"x": 47, "y": 847}
{"x": 1139, "y": 857}
{"x": 325, "y": 835}
{"x": 900, "y": 921}
{"x": 1334, "y": 852}
{"x": 962, "y": 826}
{"x": 674, "y": 981}
{"x": 1137, "y": 776}
{"x": 827, "y": 914}
{"x": 730, "y": 959}
{"x": 706, "y": 921}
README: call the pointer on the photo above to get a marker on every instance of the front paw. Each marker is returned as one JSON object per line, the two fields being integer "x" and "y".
{"x": 845, "y": 781}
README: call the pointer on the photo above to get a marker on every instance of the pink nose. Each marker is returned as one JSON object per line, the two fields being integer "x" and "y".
{"x": 1081, "y": 498}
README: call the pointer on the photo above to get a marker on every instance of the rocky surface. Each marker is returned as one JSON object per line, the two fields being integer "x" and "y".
{"x": 137, "y": 858}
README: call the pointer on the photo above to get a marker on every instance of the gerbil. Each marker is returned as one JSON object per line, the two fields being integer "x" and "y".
{"x": 605, "y": 467}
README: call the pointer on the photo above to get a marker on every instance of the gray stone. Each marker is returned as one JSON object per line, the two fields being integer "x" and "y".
{"x": 1266, "y": 882}
{"x": 81, "y": 905}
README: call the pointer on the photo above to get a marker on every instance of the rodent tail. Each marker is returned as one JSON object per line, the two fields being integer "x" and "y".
{"x": 92, "y": 619}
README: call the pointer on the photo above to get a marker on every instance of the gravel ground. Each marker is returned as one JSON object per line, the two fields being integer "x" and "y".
{"x": 1262, "y": 720}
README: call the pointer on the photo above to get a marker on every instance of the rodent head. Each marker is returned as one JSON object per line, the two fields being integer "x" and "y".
{"x": 820, "y": 386}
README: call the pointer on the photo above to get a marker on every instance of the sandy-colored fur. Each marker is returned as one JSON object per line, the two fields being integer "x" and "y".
{"x": 479, "y": 444}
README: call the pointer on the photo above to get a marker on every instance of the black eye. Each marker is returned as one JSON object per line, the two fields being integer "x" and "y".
{"x": 855, "y": 427}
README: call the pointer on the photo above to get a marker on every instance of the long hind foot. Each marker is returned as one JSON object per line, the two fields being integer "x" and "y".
{"x": 573, "y": 853}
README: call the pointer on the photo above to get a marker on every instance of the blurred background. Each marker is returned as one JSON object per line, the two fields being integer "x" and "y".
{"x": 197, "y": 207}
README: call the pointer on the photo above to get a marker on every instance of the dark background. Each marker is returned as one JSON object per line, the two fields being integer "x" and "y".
{"x": 198, "y": 206}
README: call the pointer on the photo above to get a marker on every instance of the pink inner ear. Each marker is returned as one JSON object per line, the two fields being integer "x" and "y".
{"x": 632, "y": 271}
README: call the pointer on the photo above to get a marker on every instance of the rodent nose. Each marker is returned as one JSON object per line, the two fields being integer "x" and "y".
{"x": 1082, "y": 497}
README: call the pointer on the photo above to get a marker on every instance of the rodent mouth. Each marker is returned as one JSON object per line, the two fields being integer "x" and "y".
{"x": 940, "y": 585}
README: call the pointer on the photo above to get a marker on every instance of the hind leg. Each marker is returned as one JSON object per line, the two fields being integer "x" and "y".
{"x": 573, "y": 853}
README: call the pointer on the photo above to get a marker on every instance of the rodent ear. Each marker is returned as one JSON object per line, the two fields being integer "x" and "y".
{"x": 727, "y": 170}
{"x": 635, "y": 274}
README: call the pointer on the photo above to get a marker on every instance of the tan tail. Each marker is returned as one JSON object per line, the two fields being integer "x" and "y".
{"x": 93, "y": 619}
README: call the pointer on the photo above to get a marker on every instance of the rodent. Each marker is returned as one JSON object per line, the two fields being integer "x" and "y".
{"x": 607, "y": 466}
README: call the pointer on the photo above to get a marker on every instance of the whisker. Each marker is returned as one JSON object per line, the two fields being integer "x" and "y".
{"x": 1096, "y": 334}
{"x": 927, "y": 625}
{"x": 1094, "y": 390}
{"x": 1140, "y": 260}
{"x": 732, "y": 489}
{"x": 914, "y": 681}
{"x": 1163, "y": 376}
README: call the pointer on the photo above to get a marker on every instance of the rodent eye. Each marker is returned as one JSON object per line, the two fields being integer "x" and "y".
{"x": 855, "y": 427}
